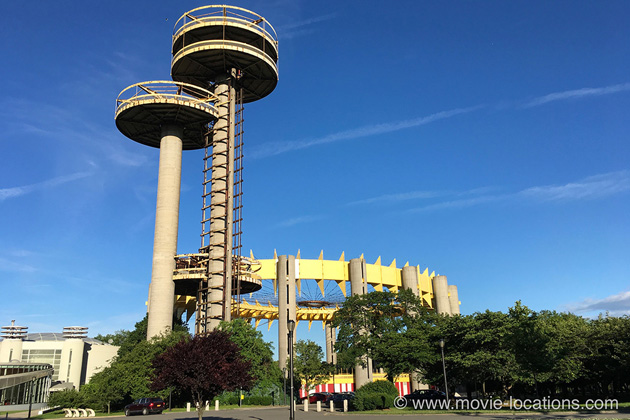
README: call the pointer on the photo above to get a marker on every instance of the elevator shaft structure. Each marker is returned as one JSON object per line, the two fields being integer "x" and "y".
{"x": 233, "y": 52}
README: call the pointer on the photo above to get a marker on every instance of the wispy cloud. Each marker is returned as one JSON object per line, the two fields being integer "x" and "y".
{"x": 617, "y": 304}
{"x": 300, "y": 28}
{"x": 6, "y": 193}
{"x": 394, "y": 198}
{"x": 298, "y": 220}
{"x": 276, "y": 148}
{"x": 13, "y": 266}
{"x": 590, "y": 188}
{"x": 577, "y": 93}
{"x": 418, "y": 195}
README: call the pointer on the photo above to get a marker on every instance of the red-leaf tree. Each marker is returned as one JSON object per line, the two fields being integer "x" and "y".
{"x": 203, "y": 366}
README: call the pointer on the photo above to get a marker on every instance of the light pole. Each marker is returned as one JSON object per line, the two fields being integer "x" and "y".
{"x": 291, "y": 328}
{"x": 444, "y": 368}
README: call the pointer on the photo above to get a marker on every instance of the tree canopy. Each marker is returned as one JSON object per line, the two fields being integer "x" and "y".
{"x": 308, "y": 365}
{"x": 520, "y": 353}
{"x": 202, "y": 367}
{"x": 265, "y": 372}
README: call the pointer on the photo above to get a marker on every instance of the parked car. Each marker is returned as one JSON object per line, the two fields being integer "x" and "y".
{"x": 426, "y": 394}
{"x": 340, "y": 397}
{"x": 319, "y": 396}
{"x": 145, "y": 406}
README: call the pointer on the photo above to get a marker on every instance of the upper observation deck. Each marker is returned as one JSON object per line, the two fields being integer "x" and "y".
{"x": 210, "y": 41}
{"x": 143, "y": 108}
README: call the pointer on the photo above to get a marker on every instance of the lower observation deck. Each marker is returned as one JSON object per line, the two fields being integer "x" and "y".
{"x": 191, "y": 269}
{"x": 142, "y": 109}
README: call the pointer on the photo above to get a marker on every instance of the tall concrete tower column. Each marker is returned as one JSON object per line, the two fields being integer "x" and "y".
{"x": 331, "y": 338}
{"x": 453, "y": 299}
{"x": 235, "y": 52}
{"x": 285, "y": 278}
{"x": 162, "y": 288}
{"x": 220, "y": 249}
{"x": 173, "y": 117}
{"x": 440, "y": 295}
{"x": 358, "y": 286}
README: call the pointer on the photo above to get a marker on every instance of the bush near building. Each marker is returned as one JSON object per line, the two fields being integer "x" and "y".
{"x": 376, "y": 395}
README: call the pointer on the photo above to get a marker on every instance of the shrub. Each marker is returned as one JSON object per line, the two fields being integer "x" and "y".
{"x": 258, "y": 400}
{"x": 70, "y": 398}
{"x": 376, "y": 395}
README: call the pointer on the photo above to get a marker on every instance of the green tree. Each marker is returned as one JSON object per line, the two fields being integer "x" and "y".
{"x": 203, "y": 367}
{"x": 266, "y": 373}
{"x": 308, "y": 365}
{"x": 530, "y": 345}
{"x": 389, "y": 328}
{"x": 128, "y": 376}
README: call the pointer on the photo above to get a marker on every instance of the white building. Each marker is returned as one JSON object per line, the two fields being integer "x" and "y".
{"x": 73, "y": 355}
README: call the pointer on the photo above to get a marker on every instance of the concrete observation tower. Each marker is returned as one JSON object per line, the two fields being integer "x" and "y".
{"x": 223, "y": 57}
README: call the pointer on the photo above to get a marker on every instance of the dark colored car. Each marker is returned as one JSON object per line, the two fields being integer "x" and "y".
{"x": 340, "y": 397}
{"x": 319, "y": 396}
{"x": 145, "y": 406}
{"x": 426, "y": 394}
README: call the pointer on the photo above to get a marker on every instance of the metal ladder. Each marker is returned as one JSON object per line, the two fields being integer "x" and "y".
{"x": 237, "y": 229}
{"x": 205, "y": 289}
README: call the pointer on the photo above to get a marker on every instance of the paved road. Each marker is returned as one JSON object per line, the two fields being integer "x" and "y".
{"x": 282, "y": 413}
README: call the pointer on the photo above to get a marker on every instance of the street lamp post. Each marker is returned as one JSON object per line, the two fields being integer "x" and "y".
{"x": 444, "y": 368}
{"x": 291, "y": 328}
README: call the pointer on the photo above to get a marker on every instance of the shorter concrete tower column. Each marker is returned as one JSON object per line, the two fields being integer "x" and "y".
{"x": 453, "y": 299}
{"x": 410, "y": 282}
{"x": 72, "y": 352}
{"x": 162, "y": 289}
{"x": 440, "y": 295}
{"x": 358, "y": 286}
{"x": 285, "y": 278}
{"x": 331, "y": 338}
{"x": 11, "y": 345}
{"x": 410, "y": 279}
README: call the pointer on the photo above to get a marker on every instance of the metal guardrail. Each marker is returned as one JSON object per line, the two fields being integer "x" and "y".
{"x": 225, "y": 14}
{"x": 162, "y": 91}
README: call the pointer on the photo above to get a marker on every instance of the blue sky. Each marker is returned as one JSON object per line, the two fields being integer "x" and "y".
{"x": 487, "y": 141}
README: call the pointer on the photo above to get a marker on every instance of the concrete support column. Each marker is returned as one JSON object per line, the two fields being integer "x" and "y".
{"x": 410, "y": 282}
{"x": 220, "y": 242}
{"x": 410, "y": 279}
{"x": 162, "y": 288}
{"x": 285, "y": 277}
{"x": 71, "y": 364}
{"x": 440, "y": 295}
{"x": 331, "y": 338}
{"x": 358, "y": 286}
{"x": 453, "y": 300}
